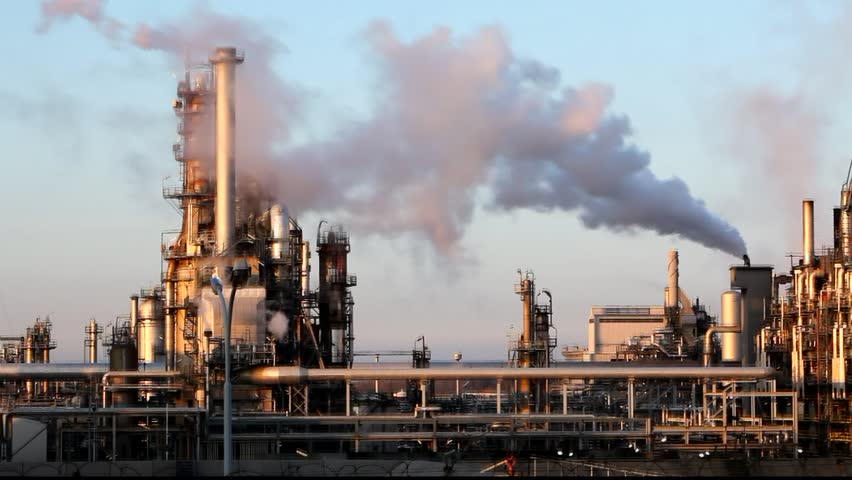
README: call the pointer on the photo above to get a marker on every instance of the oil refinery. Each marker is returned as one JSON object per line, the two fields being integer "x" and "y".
{"x": 234, "y": 363}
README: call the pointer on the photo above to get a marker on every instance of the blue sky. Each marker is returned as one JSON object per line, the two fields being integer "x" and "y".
{"x": 87, "y": 128}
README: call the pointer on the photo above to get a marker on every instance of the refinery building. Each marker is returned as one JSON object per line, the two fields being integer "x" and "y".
{"x": 234, "y": 362}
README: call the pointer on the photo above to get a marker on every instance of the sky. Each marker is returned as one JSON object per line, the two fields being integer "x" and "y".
{"x": 731, "y": 112}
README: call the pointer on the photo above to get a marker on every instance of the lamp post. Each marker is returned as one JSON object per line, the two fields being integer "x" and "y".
{"x": 239, "y": 275}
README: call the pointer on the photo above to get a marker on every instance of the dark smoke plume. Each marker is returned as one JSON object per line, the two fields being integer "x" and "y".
{"x": 455, "y": 115}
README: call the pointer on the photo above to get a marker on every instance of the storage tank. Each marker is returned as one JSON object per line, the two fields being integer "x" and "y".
{"x": 150, "y": 330}
{"x": 123, "y": 357}
{"x": 732, "y": 306}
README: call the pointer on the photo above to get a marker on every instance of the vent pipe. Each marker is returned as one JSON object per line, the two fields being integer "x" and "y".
{"x": 225, "y": 60}
{"x": 808, "y": 231}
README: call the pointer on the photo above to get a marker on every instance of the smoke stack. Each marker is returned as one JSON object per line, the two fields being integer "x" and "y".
{"x": 672, "y": 292}
{"x": 808, "y": 231}
{"x": 845, "y": 232}
{"x": 225, "y": 60}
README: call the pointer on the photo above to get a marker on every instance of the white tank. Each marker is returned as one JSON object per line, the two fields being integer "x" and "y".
{"x": 150, "y": 333}
{"x": 732, "y": 302}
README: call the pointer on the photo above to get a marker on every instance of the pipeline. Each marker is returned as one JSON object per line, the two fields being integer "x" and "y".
{"x": 587, "y": 371}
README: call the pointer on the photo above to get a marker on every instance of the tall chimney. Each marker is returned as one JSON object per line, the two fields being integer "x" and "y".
{"x": 225, "y": 60}
{"x": 808, "y": 231}
{"x": 845, "y": 227}
{"x": 672, "y": 292}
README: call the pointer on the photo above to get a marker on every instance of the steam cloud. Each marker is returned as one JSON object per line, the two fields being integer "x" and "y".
{"x": 457, "y": 115}
{"x": 90, "y": 10}
{"x": 278, "y": 325}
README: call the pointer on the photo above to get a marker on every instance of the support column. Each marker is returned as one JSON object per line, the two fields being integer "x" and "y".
{"x": 114, "y": 440}
{"x": 631, "y": 401}
{"x": 348, "y": 397}
{"x": 499, "y": 403}
{"x": 564, "y": 398}
{"x": 423, "y": 385}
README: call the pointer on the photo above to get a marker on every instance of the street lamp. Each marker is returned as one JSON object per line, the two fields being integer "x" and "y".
{"x": 239, "y": 275}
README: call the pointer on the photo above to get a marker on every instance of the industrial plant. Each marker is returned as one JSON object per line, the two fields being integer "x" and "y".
{"x": 234, "y": 363}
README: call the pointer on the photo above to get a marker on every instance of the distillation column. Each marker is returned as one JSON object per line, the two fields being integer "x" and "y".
{"x": 526, "y": 289}
{"x": 225, "y": 60}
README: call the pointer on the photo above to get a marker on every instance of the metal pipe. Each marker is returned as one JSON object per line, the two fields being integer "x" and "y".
{"x": 51, "y": 371}
{"x": 808, "y": 231}
{"x": 812, "y": 276}
{"x": 225, "y": 60}
{"x": 591, "y": 370}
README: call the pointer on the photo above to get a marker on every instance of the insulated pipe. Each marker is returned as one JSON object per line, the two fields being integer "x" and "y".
{"x": 52, "y": 371}
{"x": 808, "y": 231}
{"x": 812, "y": 276}
{"x": 672, "y": 292}
{"x": 592, "y": 370}
{"x": 225, "y": 60}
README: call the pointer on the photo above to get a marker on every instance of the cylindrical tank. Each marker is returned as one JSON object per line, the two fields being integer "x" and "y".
{"x": 123, "y": 357}
{"x": 279, "y": 223}
{"x": 808, "y": 231}
{"x": 732, "y": 314}
{"x": 92, "y": 341}
{"x": 134, "y": 314}
{"x": 225, "y": 60}
{"x": 150, "y": 331}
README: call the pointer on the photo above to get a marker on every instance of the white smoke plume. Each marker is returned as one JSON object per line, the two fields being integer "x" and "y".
{"x": 90, "y": 10}
{"x": 455, "y": 115}
{"x": 278, "y": 325}
{"x": 463, "y": 114}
